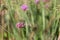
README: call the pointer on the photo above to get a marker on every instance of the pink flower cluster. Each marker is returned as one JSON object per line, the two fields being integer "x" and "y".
{"x": 24, "y": 7}
{"x": 20, "y": 25}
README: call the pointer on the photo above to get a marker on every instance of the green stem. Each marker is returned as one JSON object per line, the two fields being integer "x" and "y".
{"x": 27, "y": 33}
{"x": 43, "y": 17}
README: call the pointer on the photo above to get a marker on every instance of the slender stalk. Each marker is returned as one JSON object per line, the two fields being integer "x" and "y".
{"x": 43, "y": 17}
{"x": 54, "y": 7}
{"x": 27, "y": 32}
{"x": 43, "y": 14}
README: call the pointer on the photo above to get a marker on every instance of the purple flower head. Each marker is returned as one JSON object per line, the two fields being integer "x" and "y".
{"x": 20, "y": 25}
{"x": 24, "y": 7}
{"x": 36, "y": 1}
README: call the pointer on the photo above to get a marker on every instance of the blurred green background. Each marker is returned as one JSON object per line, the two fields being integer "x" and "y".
{"x": 42, "y": 20}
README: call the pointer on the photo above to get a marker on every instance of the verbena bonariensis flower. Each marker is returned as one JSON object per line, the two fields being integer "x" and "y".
{"x": 36, "y": 1}
{"x": 24, "y": 7}
{"x": 20, "y": 24}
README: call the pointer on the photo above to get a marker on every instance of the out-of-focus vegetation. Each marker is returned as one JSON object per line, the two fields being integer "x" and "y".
{"x": 41, "y": 20}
